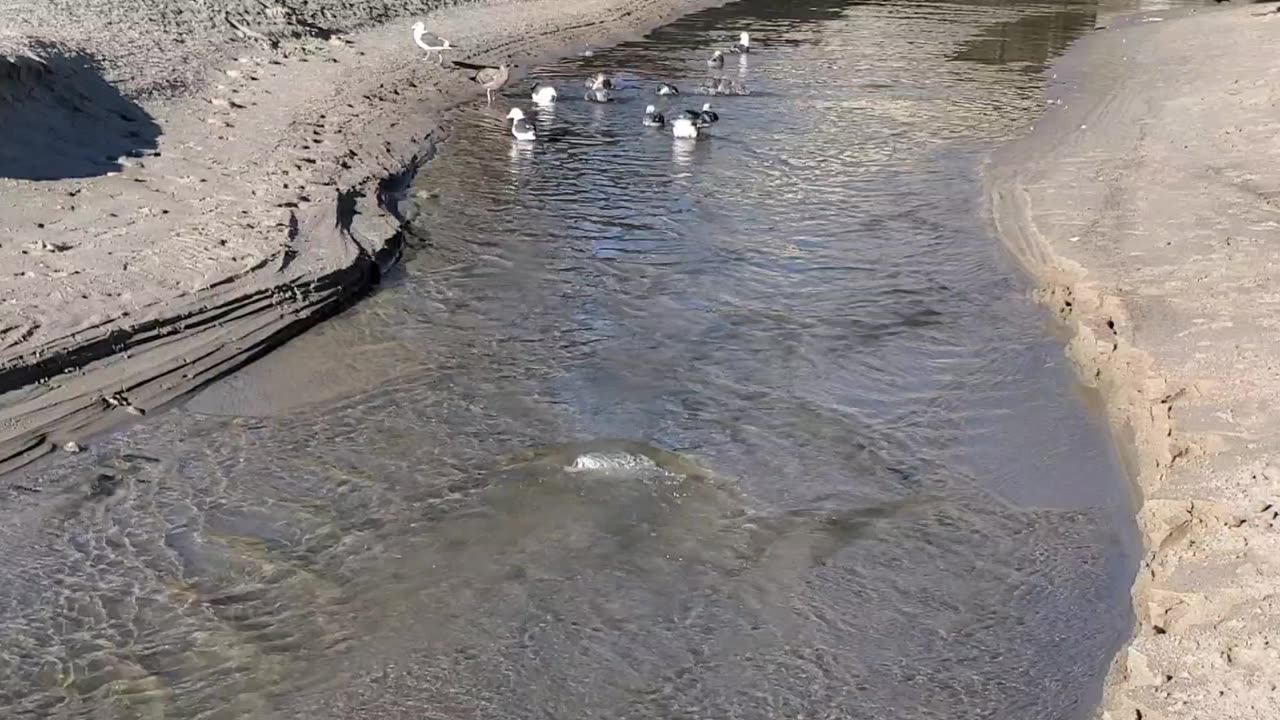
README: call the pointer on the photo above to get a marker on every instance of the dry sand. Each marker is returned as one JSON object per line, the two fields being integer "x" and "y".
{"x": 185, "y": 185}
{"x": 1147, "y": 207}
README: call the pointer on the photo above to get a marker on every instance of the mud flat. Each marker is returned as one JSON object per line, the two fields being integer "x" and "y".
{"x": 184, "y": 186}
{"x": 1146, "y": 205}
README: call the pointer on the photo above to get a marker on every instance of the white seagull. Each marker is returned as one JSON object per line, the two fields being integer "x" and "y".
{"x": 653, "y": 118}
{"x": 430, "y": 42}
{"x": 743, "y": 45}
{"x": 520, "y": 127}
{"x": 544, "y": 94}
{"x": 707, "y": 117}
{"x": 684, "y": 128}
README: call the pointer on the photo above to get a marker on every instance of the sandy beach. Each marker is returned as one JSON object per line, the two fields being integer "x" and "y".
{"x": 1145, "y": 206}
{"x": 184, "y": 186}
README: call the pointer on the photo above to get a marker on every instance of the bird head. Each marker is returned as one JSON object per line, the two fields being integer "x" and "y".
{"x": 706, "y": 107}
{"x": 716, "y": 54}
{"x": 649, "y": 109}
{"x": 419, "y": 27}
{"x": 515, "y": 114}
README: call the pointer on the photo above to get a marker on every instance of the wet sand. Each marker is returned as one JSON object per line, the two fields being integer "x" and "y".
{"x": 183, "y": 187}
{"x": 1145, "y": 205}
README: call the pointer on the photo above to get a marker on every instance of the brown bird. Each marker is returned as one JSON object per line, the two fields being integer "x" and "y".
{"x": 489, "y": 77}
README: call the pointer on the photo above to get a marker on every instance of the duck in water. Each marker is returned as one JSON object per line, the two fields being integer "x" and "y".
{"x": 668, "y": 89}
{"x": 716, "y": 60}
{"x": 743, "y": 45}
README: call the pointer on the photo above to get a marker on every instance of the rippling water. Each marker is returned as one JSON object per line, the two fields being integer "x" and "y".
{"x": 762, "y": 426}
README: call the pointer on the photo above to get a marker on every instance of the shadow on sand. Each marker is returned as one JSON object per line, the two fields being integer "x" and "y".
{"x": 62, "y": 119}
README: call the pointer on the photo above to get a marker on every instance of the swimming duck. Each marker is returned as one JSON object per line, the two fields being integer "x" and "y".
{"x": 743, "y": 45}
{"x": 653, "y": 118}
{"x": 684, "y": 128}
{"x": 716, "y": 60}
{"x": 521, "y": 128}
{"x": 598, "y": 95}
{"x": 668, "y": 89}
{"x": 544, "y": 94}
{"x": 706, "y": 118}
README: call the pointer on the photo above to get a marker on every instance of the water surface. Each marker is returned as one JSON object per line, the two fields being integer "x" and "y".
{"x": 761, "y": 426}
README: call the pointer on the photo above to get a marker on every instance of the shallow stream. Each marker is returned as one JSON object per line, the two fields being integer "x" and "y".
{"x": 761, "y": 426}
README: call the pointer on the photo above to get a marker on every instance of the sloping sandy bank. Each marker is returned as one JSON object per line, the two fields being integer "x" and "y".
{"x": 184, "y": 185}
{"x": 1147, "y": 206}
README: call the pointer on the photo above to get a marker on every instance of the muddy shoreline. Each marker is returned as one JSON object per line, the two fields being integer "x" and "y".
{"x": 257, "y": 199}
{"x": 1131, "y": 206}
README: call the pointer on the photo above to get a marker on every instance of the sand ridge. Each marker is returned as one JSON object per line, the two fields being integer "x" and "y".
{"x": 217, "y": 177}
{"x": 1146, "y": 206}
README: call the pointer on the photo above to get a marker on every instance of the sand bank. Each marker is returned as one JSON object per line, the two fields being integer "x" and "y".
{"x": 1146, "y": 205}
{"x": 184, "y": 186}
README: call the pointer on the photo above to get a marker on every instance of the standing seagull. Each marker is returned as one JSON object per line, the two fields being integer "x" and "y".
{"x": 716, "y": 60}
{"x": 490, "y": 78}
{"x": 743, "y": 45}
{"x": 430, "y": 42}
{"x": 520, "y": 127}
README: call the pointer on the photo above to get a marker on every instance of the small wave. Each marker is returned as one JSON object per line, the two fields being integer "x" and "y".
{"x": 610, "y": 461}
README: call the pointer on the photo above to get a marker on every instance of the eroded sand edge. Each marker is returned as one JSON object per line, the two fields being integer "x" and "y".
{"x": 1146, "y": 206}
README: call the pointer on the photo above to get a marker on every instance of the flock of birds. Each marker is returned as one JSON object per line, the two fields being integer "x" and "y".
{"x": 599, "y": 89}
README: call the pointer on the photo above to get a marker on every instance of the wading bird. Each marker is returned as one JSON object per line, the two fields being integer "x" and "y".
{"x": 489, "y": 77}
